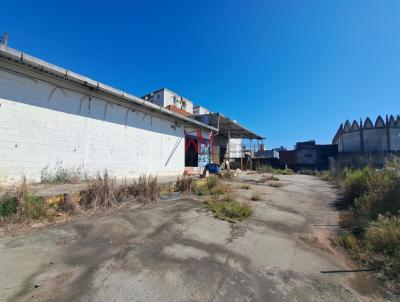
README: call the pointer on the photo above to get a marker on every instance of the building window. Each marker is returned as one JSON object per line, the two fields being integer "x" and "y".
{"x": 158, "y": 96}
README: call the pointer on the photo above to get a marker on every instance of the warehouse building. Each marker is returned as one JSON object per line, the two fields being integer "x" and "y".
{"x": 366, "y": 143}
{"x": 369, "y": 137}
{"x": 51, "y": 117}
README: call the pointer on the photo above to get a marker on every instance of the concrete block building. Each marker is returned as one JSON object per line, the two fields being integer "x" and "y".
{"x": 381, "y": 136}
{"x": 367, "y": 143}
{"x": 51, "y": 116}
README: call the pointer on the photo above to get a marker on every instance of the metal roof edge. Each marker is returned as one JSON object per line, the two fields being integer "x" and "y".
{"x": 40, "y": 65}
{"x": 232, "y": 121}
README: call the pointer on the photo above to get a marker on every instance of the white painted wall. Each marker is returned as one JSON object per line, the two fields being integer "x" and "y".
{"x": 235, "y": 147}
{"x": 171, "y": 98}
{"x": 36, "y": 132}
{"x": 200, "y": 110}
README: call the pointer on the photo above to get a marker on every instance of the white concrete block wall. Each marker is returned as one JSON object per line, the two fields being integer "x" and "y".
{"x": 36, "y": 132}
{"x": 235, "y": 147}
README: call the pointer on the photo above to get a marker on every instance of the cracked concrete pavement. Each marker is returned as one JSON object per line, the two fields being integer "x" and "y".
{"x": 177, "y": 251}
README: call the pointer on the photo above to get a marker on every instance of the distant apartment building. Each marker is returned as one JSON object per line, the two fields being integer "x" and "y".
{"x": 200, "y": 110}
{"x": 170, "y": 100}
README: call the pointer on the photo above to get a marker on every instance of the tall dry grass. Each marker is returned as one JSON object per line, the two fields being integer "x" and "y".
{"x": 105, "y": 193}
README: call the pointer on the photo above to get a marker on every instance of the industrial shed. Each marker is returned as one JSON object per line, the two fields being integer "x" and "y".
{"x": 51, "y": 117}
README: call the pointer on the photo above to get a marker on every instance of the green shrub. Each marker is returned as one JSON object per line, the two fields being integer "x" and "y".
{"x": 232, "y": 211}
{"x": 236, "y": 210}
{"x": 8, "y": 206}
{"x": 212, "y": 182}
{"x": 383, "y": 236}
{"x": 200, "y": 187}
{"x": 245, "y": 187}
{"x": 349, "y": 241}
{"x": 373, "y": 197}
{"x": 34, "y": 207}
{"x": 356, "y": 183}
{"x": 204, "y": 186}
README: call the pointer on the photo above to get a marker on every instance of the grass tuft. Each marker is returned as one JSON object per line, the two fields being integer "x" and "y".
{"x": 255, "y": 196}
{"x": 230, "y": 210}
{"x": 372, "y": 214}
{"x": 269, "y": 169}
{"x": 268, "y": 177}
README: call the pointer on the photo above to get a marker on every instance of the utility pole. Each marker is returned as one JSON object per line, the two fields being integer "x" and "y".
{"x": 241, "y": 152}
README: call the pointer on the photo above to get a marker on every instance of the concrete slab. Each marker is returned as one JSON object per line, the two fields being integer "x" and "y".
{"x": 177, "y": 251}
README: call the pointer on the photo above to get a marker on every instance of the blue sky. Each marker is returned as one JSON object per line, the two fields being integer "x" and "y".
{"x": 289, "y": 70}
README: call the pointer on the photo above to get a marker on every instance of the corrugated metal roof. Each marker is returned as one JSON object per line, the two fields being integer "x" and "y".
{"x": 226, "y": 125}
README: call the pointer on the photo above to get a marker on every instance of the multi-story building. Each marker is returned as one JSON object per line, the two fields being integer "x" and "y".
{"x": 169, "y": 99}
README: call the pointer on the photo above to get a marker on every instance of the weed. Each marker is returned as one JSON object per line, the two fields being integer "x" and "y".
{"x": 244, "y": 187}
{"x": 255, "y": 196}
{"x": 356, "y": 183}
{"x": 218, "y": 190}
{"x": 101, "y": 193}
{"x": 228, "y": 198}
{"x": 268, "y": 177}
{"x": 231, "y": 211}
{"x": 276, "y": 184}
{"x": 228, "y": 174}
{"x": 327, "y": 175}
{"x": 200, "y": 187}
{"x": 146, "y": 189}
{"x": 383, "y": 236}
{"x": 60, "y": 175}
{"x": 266, "y": 169}
{"x": 349, "y": 241}
{"x": 184, "y": 184}
{"x": 70, "y": 203}
{"x": 34, "y": 207}
{"x": 346, "y": 219}
{"x": 8, "y": 206}
{"x": 372, "y": 198}
{"x": 212, "y": 182}
{"x": 269, "y": 169}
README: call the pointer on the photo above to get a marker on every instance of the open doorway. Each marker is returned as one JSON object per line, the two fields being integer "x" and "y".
{"x": 191, "y": 154}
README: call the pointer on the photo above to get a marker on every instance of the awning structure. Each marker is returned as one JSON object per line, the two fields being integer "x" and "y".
{"x": 226, "y": 126}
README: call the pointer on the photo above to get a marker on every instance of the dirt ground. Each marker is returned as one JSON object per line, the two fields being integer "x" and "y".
{"x": 177, "y": 251}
